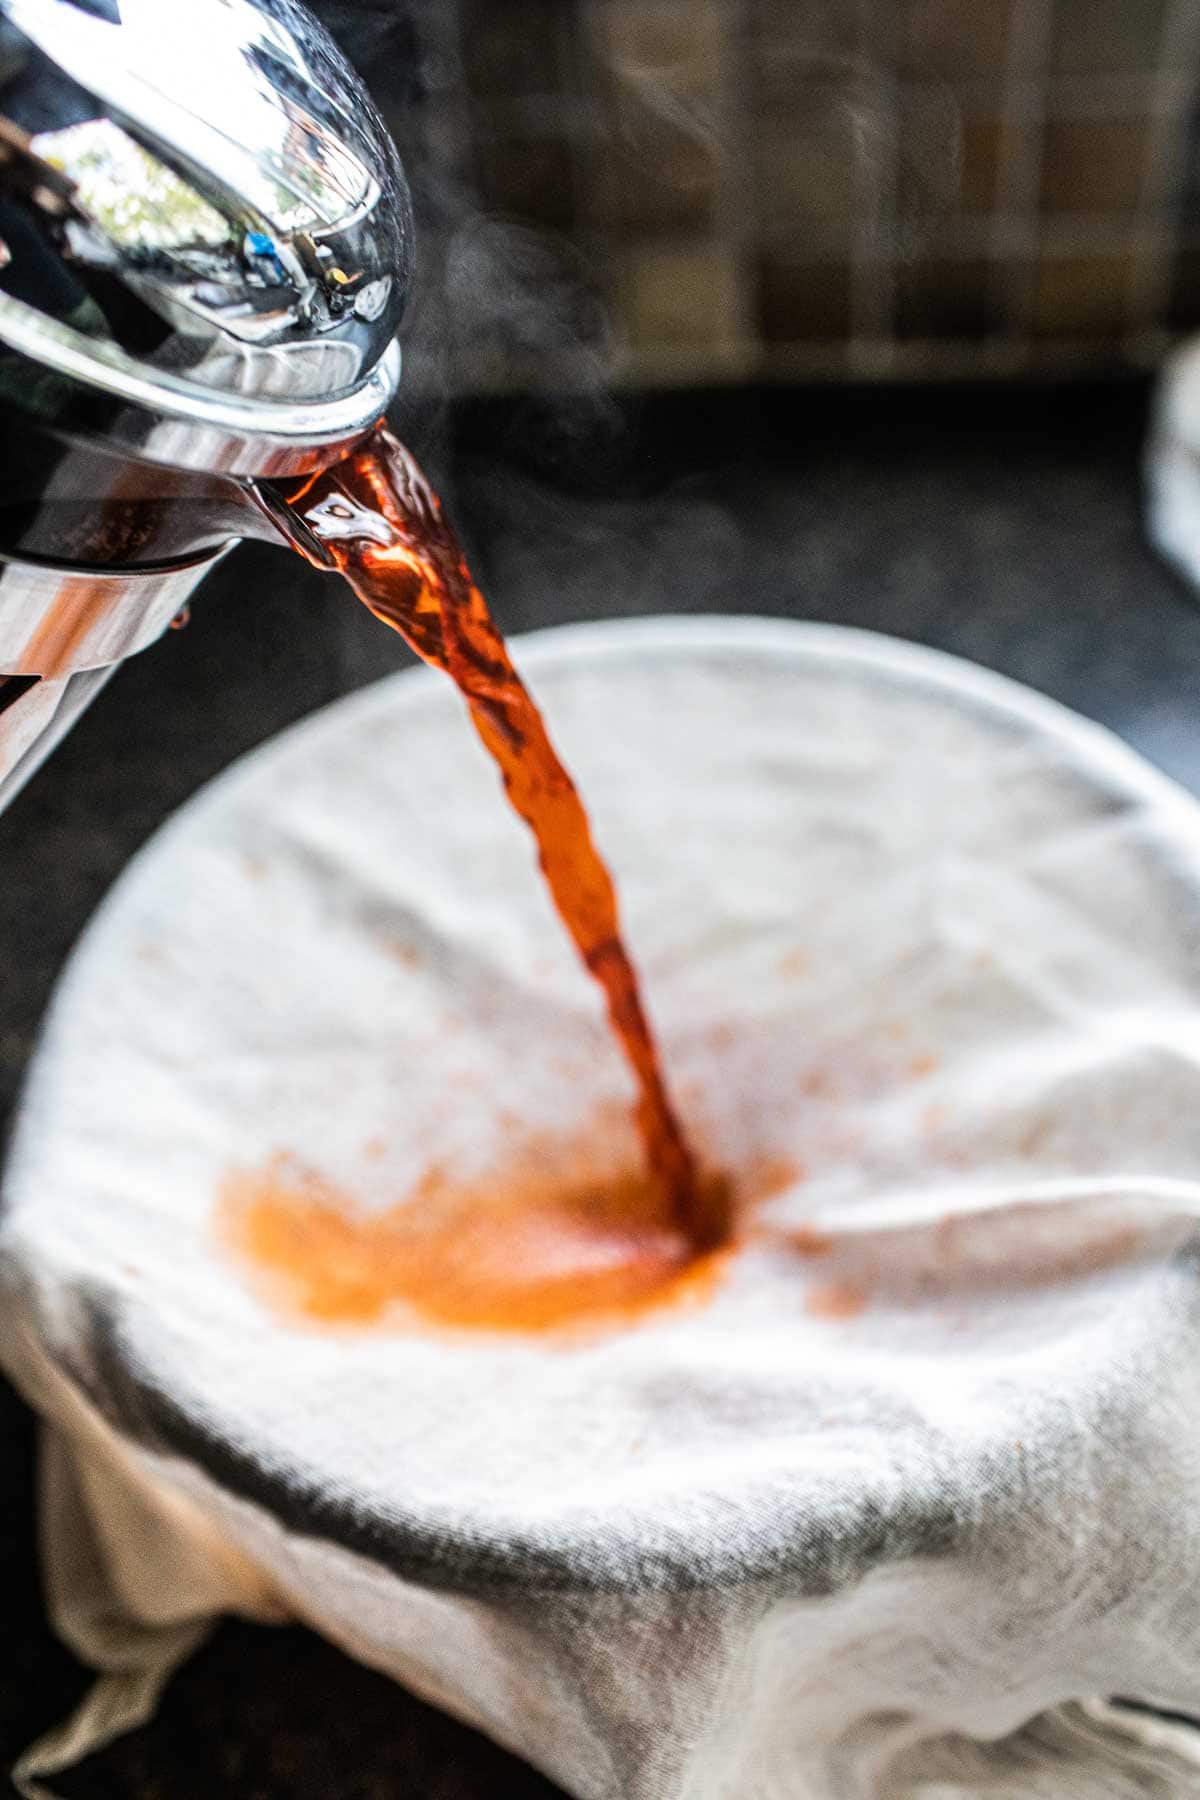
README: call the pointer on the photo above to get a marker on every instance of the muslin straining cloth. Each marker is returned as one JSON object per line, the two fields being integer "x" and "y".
{"x": 900, "y": 1516}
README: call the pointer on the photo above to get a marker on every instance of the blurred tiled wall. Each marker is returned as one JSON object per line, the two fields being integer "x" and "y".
{"x": 773, "y": 190}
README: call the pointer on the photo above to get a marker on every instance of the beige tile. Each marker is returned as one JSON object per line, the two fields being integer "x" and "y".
{"x": 680, "y": 45}
{"x": 656, "y": 157}
{"x": 682, "y": 298}
{"x": 809, "y": 174}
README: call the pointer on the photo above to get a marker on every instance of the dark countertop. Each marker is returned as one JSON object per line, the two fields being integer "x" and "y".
{"x": 1002, "y": 524}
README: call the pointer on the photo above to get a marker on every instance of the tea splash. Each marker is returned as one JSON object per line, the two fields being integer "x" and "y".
{"x": 525, "y": 1251}
{"x": 383, "y": 528}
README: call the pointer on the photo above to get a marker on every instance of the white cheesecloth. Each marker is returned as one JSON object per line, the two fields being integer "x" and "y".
{"x": 897, "y": 1517}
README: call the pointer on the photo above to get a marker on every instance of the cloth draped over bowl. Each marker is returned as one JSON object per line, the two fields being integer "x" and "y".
{"x": 910, "y": 1501}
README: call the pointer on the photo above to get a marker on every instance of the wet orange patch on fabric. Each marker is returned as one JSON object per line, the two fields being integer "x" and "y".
{"x": 839, "y": 1300}
{"x": 401, "y": 951}
{"x": 526, "y": 1252}
{"x": 768, "y": 1176}
{"x": 806, "y": 1240}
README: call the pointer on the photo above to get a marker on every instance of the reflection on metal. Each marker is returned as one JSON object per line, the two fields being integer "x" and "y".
{"x": 109, "y": 395}
{"x": 30, "y": 730}
{"x": 135, "y": 201}
{"x": 209, "y": 246}
{"x": 236, "y": 181}
{"x": 54, "y": 622}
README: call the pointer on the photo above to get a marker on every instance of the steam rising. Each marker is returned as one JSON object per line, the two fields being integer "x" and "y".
{"x": 501, "y": 306}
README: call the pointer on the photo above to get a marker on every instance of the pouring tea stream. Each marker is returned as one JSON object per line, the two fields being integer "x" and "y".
{"x": 198, "y": 319}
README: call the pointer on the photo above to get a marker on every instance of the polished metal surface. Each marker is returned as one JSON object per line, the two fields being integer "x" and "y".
{"x": 209, "y": 236}
{"x": 69, "y": 630}
{"x": 161, "y": 418}
{"x": 40, "y": 719}
{"x": 205, "y": 247}
{"x": 55, "y": 622}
